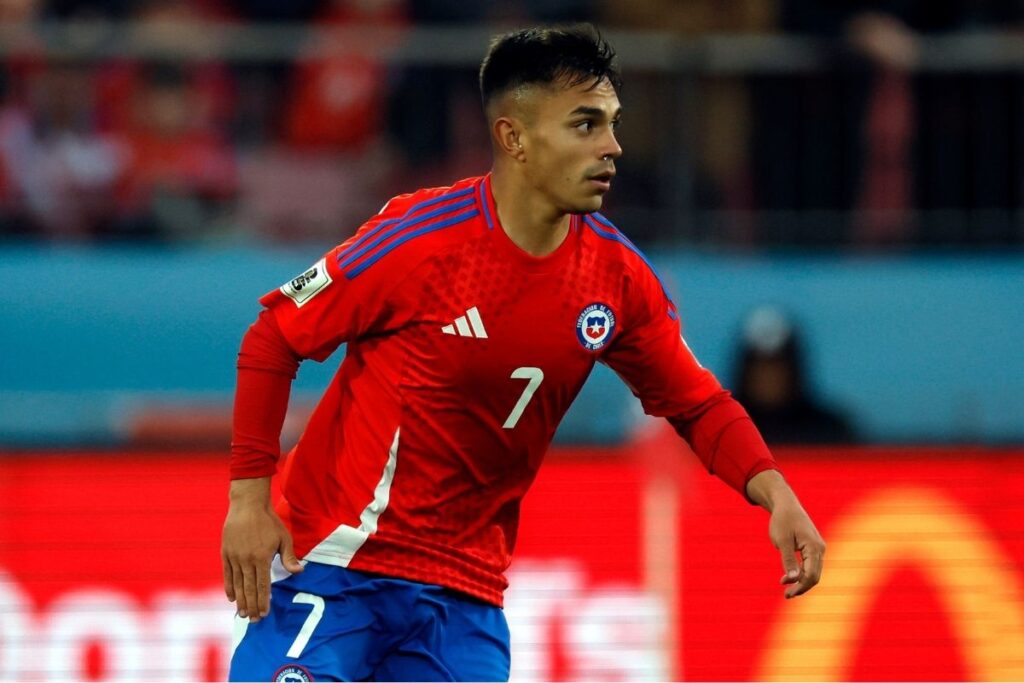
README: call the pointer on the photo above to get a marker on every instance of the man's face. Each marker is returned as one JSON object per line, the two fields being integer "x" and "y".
{"x": 570, "y": 145}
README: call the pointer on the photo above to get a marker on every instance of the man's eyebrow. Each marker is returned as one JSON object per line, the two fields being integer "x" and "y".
{"x": 596, "y": 112}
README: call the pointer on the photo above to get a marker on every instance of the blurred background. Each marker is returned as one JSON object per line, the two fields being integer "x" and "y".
{"x": 833, "y": 192}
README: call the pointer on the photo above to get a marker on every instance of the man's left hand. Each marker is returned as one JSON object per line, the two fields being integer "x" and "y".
{"x": 801, "y": 546}
{"x": 791, "y": 530}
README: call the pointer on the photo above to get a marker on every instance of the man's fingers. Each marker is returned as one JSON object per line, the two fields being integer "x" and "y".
{"x": 790, "y": 566}
{"x": 239, "y": 589}
{"x": 229, "y": 579}
{"x": 263, "y": 588}
{"x": 288, "y": 559}
{"x": 811, "y": 574}
{"x": 805, "y": 584}
{"x": 799, "y": 544}
{"x": 251, "y": 591}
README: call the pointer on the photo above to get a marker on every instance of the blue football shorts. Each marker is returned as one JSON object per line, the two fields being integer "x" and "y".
{"x": 329, "y": 623}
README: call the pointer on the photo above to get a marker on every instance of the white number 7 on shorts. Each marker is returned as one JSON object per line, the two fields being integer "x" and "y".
{"x": 306, "y": 632}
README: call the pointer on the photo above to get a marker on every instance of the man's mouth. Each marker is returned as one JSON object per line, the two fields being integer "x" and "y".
{"x": 603, "y": 180}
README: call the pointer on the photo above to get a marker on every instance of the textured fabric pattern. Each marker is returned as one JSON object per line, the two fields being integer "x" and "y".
{"x": 474, "y": 350}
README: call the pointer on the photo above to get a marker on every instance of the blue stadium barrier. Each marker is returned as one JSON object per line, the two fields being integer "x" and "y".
{"x": 913, "y": 348}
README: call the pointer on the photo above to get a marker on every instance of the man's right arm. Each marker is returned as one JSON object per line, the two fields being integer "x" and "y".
{"x": 266, "y": 367}
{"x": 253, "y": 533}
{"x": 339, "y": 299}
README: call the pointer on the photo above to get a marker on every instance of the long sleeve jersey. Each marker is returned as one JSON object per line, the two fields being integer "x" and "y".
{"x": 463, "y": 354}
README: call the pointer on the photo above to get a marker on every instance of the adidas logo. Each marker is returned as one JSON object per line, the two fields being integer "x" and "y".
{"x": 473, "y": 327}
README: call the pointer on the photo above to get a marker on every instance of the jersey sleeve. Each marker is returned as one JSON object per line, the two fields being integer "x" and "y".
{"x": 654, "y": 360}
{"x": 330, "y": 304}
{"x": 652, "y": 357}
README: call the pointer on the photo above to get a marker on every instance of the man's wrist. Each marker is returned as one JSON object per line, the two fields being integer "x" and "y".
{"x": 254, "y": 491}
{"x": 769, "y": 489}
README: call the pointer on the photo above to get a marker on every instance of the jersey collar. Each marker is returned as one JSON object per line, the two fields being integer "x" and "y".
{"x": 485, "y": 198}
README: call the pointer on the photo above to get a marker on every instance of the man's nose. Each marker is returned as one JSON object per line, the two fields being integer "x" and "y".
{"x": 612, "y": 148}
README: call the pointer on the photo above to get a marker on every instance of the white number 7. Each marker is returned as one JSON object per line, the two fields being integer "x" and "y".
{"x": 536, "y": 376}
{"x": 306, "y": 632}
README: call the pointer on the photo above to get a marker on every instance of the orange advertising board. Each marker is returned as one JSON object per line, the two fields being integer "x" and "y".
{"x": 924, "y": 573}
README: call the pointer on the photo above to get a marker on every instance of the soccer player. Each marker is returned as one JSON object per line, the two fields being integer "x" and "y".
{"x": 473, "y": 315}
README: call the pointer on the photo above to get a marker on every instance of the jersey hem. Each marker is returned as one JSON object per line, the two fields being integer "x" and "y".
{"x": 402, "y": 570}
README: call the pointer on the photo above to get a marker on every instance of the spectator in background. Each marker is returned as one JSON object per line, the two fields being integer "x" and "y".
{"x": 325, "y": 172}
{"x": 841, "y": 140}
{"x": 869, "y": 136}
{"x": 181, "y": 171}
{"x": 171, "y": 115}
{"x": 261, "y": 109}
{"x": 58, "y": 172}
{"x": 337, "y": 102}
{"x": 883, "y": 199}
{"x": 719, "y": 144}
{"x": 423, "y": 96}
{"x": 771, "y": 384}
{"x": 158, "y": 28}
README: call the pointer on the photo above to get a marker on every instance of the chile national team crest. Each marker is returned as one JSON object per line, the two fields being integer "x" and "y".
{"x": 292, "y": 673}
{"x": 595, "y": 326}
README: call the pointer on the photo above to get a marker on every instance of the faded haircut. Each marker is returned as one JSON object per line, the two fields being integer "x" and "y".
{"x": 569, "y": 55}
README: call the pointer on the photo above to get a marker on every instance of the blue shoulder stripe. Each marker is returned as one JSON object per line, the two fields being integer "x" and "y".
{"x": 391, "y": 221}
{"x": 353, "y": 256}
{"x": 604, "y": 221}
{"x": 484, "y": 204}
{"x": 412, "y": 234}
{"x": 612, "y": 233}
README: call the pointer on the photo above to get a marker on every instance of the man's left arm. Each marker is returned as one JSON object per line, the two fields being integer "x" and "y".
{"x": 725, "y": 440}
{"x": 661, "y": 370}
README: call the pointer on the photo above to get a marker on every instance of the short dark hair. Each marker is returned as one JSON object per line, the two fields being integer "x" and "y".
{"x": 572, "y": 53}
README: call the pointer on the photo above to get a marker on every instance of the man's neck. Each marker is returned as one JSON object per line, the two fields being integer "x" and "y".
{"x": 528, "y": 218}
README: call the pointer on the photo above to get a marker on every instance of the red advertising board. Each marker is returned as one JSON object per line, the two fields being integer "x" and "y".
{"x": 110, "y": 569}
{"x": 631, "y": 565}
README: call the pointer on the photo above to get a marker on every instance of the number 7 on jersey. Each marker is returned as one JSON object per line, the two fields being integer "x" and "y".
{"x": 536, "y": 376}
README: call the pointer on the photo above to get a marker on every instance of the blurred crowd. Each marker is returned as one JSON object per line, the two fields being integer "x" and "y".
{"x": 868, "y": 150}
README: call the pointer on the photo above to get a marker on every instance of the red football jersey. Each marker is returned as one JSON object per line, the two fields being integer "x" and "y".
{"x": 464, "y": 352}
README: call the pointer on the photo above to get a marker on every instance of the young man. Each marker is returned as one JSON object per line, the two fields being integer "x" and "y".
{"x": 473, "y": 315}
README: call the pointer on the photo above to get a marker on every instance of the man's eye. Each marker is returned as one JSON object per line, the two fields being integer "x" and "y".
{"x": 585, "y": 126}
{"x": 615, "y": 124}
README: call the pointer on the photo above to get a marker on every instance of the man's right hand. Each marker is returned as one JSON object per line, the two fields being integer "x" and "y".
{"x": 253, "y": 534}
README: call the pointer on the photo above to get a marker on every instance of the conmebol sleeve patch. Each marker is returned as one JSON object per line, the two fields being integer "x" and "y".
{"x": 309, "y": 284}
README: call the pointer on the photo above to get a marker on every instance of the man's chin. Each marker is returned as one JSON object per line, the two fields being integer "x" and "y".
{"x": 590, "y": 204}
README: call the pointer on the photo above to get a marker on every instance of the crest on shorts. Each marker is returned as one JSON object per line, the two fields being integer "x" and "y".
{"x": 595, "y": 326}
{"x": 292, "y": 673}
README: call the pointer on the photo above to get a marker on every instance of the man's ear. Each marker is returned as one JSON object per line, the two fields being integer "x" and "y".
{"x": 507, "y": 132}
